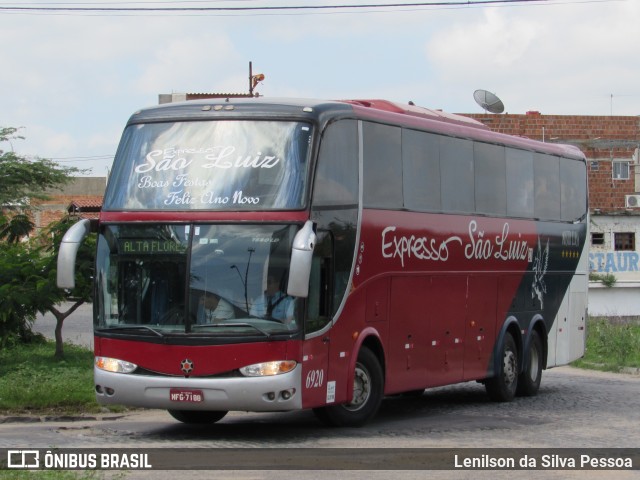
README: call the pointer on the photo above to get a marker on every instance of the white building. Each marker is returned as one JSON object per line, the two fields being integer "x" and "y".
{"x": 614, "y": 261}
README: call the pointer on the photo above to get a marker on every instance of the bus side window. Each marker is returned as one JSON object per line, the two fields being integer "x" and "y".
{"x": 421, "y": 171}
{"x": 519, "y": 183}
{"x": 457, "y": 188}
{"x": 320, "y": 289}
{"x": 336, "y": 182}
{"x": 573, "y": 195}
{"x": 546, "y": 172}
{"x": 382, "y": 178}
{"x": 335, "y": 212}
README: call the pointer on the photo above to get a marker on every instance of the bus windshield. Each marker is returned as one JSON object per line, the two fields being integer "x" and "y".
{"x": 218, "y": 280}
{"x": 211, "y": 165}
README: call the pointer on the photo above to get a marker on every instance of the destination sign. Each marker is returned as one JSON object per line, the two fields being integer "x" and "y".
{"x": 148, "y": 246}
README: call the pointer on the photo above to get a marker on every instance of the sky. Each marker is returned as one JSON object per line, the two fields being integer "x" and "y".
{"x": 71, "y": 79}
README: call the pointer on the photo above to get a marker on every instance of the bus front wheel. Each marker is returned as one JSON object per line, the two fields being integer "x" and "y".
{"x": 197, "y": 416}
{"x": 368, "y": 387}
{"x": 502, "y": 387}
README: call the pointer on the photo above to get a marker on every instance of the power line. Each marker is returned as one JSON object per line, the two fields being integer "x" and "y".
{"x": 94, "y": 9}
{"x": 80, "y": 159}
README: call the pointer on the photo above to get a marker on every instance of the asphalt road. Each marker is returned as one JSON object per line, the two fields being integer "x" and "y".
{"x": 77, "y": 328}
{"x": 577, "y": 409}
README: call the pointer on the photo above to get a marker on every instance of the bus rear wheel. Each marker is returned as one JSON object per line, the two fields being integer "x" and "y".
{"x": 196, "y": 416}
{"x": 368, "y": 387}
{"x": 502, "y": 387}
{"x": 529, "y": 380}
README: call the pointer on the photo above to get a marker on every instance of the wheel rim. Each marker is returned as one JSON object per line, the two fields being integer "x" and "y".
{"x": 361, "y": 389}
{"x": 510, "y": 368}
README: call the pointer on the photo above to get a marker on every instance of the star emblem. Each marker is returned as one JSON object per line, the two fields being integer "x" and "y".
{"x": 186, "y": 366}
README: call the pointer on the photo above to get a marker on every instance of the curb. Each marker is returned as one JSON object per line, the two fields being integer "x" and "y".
{"x": 630, "y": 370}
{"x": 56, "y": 418}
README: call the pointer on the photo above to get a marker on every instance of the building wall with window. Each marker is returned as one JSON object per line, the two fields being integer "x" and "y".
{"x": 611, "y": 145}
{"x": 614, "y": 246}
{"x": 614, "y": 262}
{"x": 82, "y": 193}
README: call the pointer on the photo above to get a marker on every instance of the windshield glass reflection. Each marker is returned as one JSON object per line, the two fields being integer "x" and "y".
{"x": 210, "y": 165}
{"x": 196, "y": 279}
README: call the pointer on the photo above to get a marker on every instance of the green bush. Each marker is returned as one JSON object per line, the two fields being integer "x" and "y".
{"x": 608, "y": 280}
{"x": 17, "y": 285}
{"x": 611, "y": 346}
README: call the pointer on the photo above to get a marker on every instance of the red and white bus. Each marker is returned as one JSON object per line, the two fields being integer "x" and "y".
{"x": 275, "y": 255}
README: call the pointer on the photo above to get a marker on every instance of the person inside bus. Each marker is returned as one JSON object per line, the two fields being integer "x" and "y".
{"x": 274, "y": 303}
{"x": 212, "y": 309}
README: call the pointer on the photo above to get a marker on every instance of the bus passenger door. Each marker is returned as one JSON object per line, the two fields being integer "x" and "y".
{"x": 318, "y": 313}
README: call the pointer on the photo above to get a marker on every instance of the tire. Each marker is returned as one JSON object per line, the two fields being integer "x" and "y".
{"x": 197, "y": 416}
{"x": 368, "y": 388}
{"x": 529, "y": 379}
{"x": 413, "y": 393}
{"x": 502, "y": 387}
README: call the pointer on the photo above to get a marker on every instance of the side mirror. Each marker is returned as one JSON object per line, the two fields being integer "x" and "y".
{"x": 66, "y": 275}
{"x": 301, "y": 257}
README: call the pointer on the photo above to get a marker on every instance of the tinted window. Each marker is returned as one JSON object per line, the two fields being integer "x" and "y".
{"x": 546, "y": 171}
{"x": 519, "y": 183}
{"x": 336, "y": 180}
{"x": 321, "y": 297}
{"x": 572, "y": 188}
{"x": 421, "y": 177}
{"x": 490, "y": 179}
{"x": 456, "y": 168}
{"x": 382, "y": 166}
{"x": 207, "y": 279}
{"x": 335, "y": 212}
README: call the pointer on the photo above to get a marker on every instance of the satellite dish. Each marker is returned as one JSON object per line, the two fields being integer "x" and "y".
{"x": 489, "y": 101}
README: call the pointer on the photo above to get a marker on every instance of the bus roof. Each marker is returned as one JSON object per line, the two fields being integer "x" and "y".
{"x": 416, "y": 111}
{"x": 407, "y": 115}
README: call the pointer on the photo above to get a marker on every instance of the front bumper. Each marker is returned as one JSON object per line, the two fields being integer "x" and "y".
{"x": 257, "y": 394}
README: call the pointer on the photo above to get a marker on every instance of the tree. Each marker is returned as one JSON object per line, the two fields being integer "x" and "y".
{"x": 27, "y": 269}
{"x": 83, "y": 291}
{"x": 28, "y": 283}
{"x": 19, "y": 275}
{"x": 22, "y": 179}
{"x": 15, "y": 228}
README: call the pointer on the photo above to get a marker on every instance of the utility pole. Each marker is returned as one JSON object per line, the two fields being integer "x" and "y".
{"x": 254, "y": 80}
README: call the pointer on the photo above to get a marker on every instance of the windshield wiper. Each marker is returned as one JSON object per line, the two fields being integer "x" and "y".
{"x": 235, "y": 324}
{"x": 132, "y": 327}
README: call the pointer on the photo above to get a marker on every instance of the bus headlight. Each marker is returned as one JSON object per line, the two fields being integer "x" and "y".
{"x": 114, "y": 365}
{"x": 268, "y": 368}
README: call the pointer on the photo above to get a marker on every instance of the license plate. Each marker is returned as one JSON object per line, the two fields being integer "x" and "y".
{"x": 185, "y": 395}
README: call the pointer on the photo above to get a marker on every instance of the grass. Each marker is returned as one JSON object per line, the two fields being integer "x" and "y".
{"x": 51, "y": 475}
{"x": 611, "y": 346}
{"x": 32, "y": 381}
